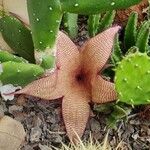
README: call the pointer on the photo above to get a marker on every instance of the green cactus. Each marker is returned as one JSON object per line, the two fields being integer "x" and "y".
{"x": 131, "y": 30}
{"x": 6, "y": 56}
{"x": 19, "y": 74}
{"x": 70, "y": 24}
{"x": 132, "y": 79}
{"x": 93, "y": 23}
{"x": 143, "y": 37}
{"x": 107, "y": 20}
{"x": 18, "y": 37}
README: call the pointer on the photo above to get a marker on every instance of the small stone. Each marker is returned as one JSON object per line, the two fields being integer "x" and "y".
{"x": 1, "y": 111}
{"x": 56, "y": 138}
{"x": 15, "y": 108}
{"x": 95, "y": 126}
{"x": 35, "y": 134}
{"x": 44, "y": 147}
{"x": 27, "y": 147}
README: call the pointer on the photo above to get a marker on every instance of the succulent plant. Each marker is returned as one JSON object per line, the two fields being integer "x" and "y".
{"x": 70, "y": 24}
{"x": 18, "y": 37}
{"x": 134, "y": 36}
{"x": 44, "y": 29}
{"x": 6, "y": 56}
{"x": 96, "y": 24}
{"x": 93, "y": 23}
{"x": 132, "y": 79}
{"x": 115, "y": 111}
{"x": 19, "y": 74}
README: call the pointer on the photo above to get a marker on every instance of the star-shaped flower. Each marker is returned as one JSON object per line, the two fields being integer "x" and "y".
{"x": 76, "y": 79}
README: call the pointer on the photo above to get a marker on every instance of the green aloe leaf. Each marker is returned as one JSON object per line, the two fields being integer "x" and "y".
{"x": 6, "y": 56}
{"x": 18, "y": 37}
{"x": 19, "y": 74}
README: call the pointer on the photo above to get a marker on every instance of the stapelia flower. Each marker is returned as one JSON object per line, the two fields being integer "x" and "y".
{"x": 77, "y": 79}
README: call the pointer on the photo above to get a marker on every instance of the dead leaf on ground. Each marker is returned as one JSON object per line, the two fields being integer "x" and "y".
{"x": 12, "y": 134}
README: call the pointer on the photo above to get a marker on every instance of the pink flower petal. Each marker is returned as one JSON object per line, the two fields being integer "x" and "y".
{"x": 97, "y": 50}
{"x": 76, "y": 111}
{"x": 103, "y": 91}
{"x": 45, "y": 88}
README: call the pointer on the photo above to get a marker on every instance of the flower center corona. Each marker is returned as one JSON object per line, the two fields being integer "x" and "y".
{"x": 80, "y": 77}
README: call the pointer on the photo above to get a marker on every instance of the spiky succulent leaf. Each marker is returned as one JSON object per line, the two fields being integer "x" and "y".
{"x": 6, "y": 56}
{"x": 19, "y": 73}
{"x": 143, "y": 37}
{"x": 119, "y": 113}
{"x": 132, "y": 79}
{"x": 117, "y": 54}
{"x": 18, "y": 37}
{"x": 131, "y": 30}
{"x": 70, "y": 24}
{"x": 93, "y": 23}
{"x": 107, "y": 20}
{"x": 95, "y": 7}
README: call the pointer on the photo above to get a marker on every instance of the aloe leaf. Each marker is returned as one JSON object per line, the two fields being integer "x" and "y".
{"x": 107, "y": 20}
{"x": 131, "y": 30}
{"x": 70, "y": 24}
{"x": 19, "y": 74}
{"x": 96, "y": 6}
{"x": 4, "y": 45}
{"x": 6, "y": 56}
{"x": 143, "y": 37}
{"x": 93, "y": 23}
{"x": 18, "y": 37}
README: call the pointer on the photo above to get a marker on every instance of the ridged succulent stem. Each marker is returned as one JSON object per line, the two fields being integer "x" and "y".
{"x": 70, "y": 24}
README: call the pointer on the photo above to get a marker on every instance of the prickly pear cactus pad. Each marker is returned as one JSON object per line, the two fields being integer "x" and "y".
{"x": 132, "y": 80}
